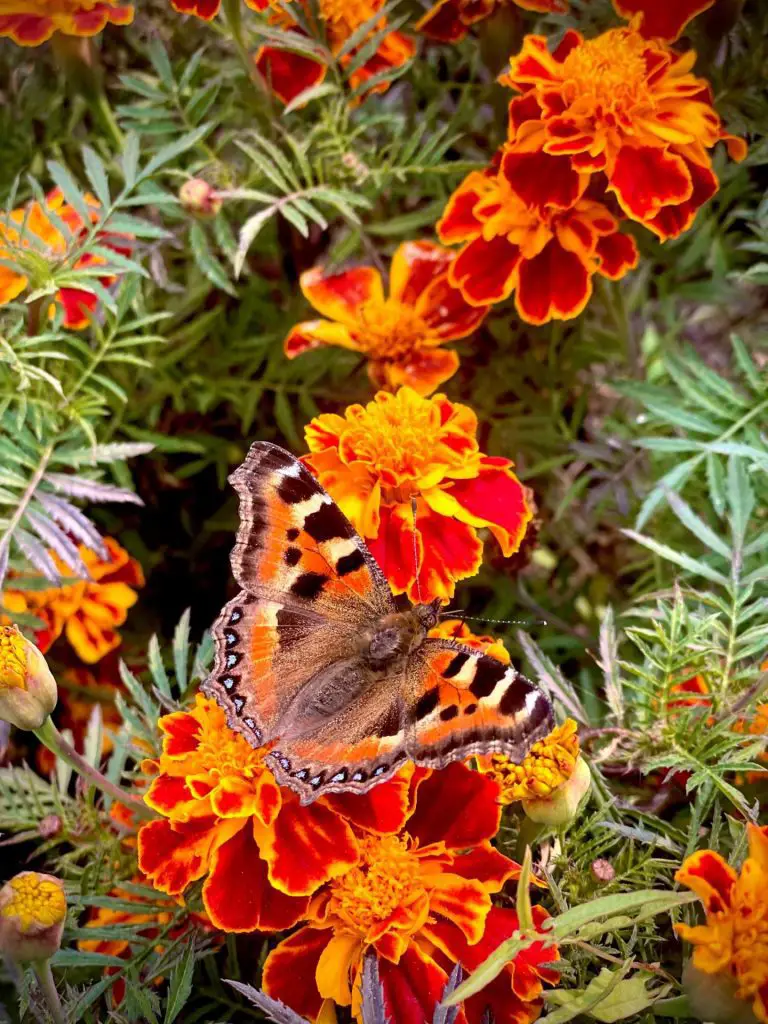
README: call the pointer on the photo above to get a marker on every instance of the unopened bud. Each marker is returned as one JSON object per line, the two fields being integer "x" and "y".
{"x": 28, "y": 691}
{"x": 602, "y": 870}
{"x": 32, "y": 912}
{"x": 561, "y": 806}
{"x": 197, "y": 196}
{"x": 49, "y": 826}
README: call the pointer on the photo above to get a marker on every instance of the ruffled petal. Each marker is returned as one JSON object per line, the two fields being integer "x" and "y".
{"x": 288, "y": 74}
{"x": 457, "y": 806}
{"x": 336, "y": 965}
{"x": 486, "y": 271}
{"x": 289, "y": 971}
{"x": 459, "y": 222}
{"x": 710, "y": 877}
{"x": 424, "y": 371}
{"x": 617, "y": 253}
{"x": 443, "y": 22}
{"x": 382, "y": 809}
{"x": 237, "y": 894}
{"x": 660, "y": 18}
{"x": 181, "y": 734}
{"x": 504, "y": 1005}
{"x": 414, "y": 266}
{"x": 172, "y": 797}
{"x": 451, "y": 551}
{"x": 314, "y": 333}
{"x": 485, "y": 864}
{"x": 542, "y": 180}
{"x": 207, "y": 9}
{"x": 462, "y": 901}
{"x": 672, "y": 221}
{"x": 340, "y": 296}
{"x": 446, "y": 312}
{"x": 172, "y": 857}
{"x": 646, "y": 179}
{"x": 396, "y": 549}
{"x": 555, "y": 285}
{"x": 413, "y": 987}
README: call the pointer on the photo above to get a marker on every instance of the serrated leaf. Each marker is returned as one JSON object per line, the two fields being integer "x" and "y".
{"x": 181, "y": 650}
{"x": 207, "y": 262}
{"x": 180, "y": 986}
{"x": 678, "y": 558}
{"x": 70, "y": 190}
{"x": 91, "y": 490}
{"x": 273, "y": 1008}
{"x": 373, "y": 1008}
{"x": 175, "y": 149}
{"x": 97, "y": 175}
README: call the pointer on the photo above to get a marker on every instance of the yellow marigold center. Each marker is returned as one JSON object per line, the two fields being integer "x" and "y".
{"x": 13, "y": 659}
{"x": 549, "y": 764}
{"x": 386, "y": 878}
{"x": 224, "y": 751}
{"x": 389, "y": 329}
{"x": 36, "y": 901}
{"x": 748, "y": 917}
{"x": 610, "y": 70}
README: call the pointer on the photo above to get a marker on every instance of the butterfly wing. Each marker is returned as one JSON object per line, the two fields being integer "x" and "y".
{"x": 450, "y": 703}
{"x": 310, "y": 586}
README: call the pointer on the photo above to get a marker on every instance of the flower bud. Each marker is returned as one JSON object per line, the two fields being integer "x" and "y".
{"x": 32, "y": 912}
{"x": 28, "y": 691}
{"x": 712, "y": 997}
{"x": 560, "y": 807}
{"x": 197, "y": 196}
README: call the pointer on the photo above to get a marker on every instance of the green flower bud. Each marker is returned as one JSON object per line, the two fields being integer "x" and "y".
{"x": 32, "y": 912}
{"x": 561, "y": 806}
{"x": 28, "y": 691}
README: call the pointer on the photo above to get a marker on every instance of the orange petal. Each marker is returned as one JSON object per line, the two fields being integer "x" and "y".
{"x": 446, "y": 312}
{"x": 289, "y": 971}
{"x": 452, "y": 551}
{"x": 554, "y": 285}
{"x": 314, "y": 333}
{"x": 671, "y": 221}
{"x": 424, "y": 371}
{"x": 710, "y": 877}
{"x": 645, "y": 179}
{"x": 171, "y": 797}
{"x": 171, "y": 857}
{"x": 340, "y": 296}
{"x": 457, "y": 806}
{"x": 11, "y": 283}
{"x": 463, "y": 901}
{"x": 443, "y": 22}
{"x": 414, "y": 266}
{"x": 459, "y": 223}
{"x": 660, "y": 18}
{"x": 485, "y": 864}
{"x": 207, "y": 9}
{"x": 335, "y": 966}
{"x": 181, "y": 734}
{"x": 382, "y": 809}
{"x": 486, "y": 271}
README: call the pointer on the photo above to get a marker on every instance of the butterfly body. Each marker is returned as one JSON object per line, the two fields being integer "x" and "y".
{"x": 317, "y": 663}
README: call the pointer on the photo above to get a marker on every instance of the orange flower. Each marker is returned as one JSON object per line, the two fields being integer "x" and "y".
{"x": 378, "y": 460}
{"x": 38, "y": 236}
{"x": 457, "y": 629}
{"x": 527, "y": 227}
{"x": 208, "y": 9}
{"x": 625, "y": 107}
{"x": 421, "y": 902}
{"x": 399, "y": 335}
{"x": 734, "y": 940}
{"x": 291, "y": 73}
{"x": 226, "y": 819}
{"x": 449, "y": 20}
{"x": 31, "y": 22}
{"x": 660, "y": 18}
{"x": 88, "y": 610}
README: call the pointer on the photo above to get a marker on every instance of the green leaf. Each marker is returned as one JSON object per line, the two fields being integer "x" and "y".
{"x": 174, "y": 149}
{"x": 97, "y": 175}
{"x": 678, "y": 557}
{"x": 741, "y": 499}
{"x": 70, "y": 190}
{"x": 181, "y": 650}
{"x": 130, "y": 161}
{"x": 697, "y": 526}
{"x": 608, "y": 998}
{"x": 207, "y": 262}
{"x": 180, "y": 986}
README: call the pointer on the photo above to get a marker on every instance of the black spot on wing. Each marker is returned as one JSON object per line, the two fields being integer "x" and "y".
{"x": 488, "y": 671}
{"x": 456, "y": 665}
{"x": 293, "y": 533}
{"x": 292, "y": 556}
{"x": 350, "y": 563}
{"x": 328, "y": 523}
{"x": 295, "y": 489}
{"x": 470, "y": 709}
{"x": 513, "y": 699}
{"x": 427, "y": 703}
{"x": 309, "y": 585}
{"x": 448, "y": 713}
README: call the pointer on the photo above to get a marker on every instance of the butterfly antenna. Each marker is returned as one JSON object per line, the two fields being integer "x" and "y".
{"x": 496, "y": 622}
{"x": 416, "y": 550}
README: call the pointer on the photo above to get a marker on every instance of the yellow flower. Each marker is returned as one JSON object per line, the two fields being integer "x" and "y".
{"x": 733, "y": 943}
{"x": 32, "y": 912}
{"x": 548, "y": 764}
{"x": 28, "y": 691}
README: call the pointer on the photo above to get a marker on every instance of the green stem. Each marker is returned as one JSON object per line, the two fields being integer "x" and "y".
{"x": 529, "y": 834}
{"x": 233, "y": 13}
{"x": 44, "y": 976}
{"x": 103, "y": 113}
{"x": 50, "y": 737}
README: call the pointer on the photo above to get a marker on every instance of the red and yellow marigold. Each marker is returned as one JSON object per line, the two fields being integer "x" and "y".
{"x": 225, "y": 819}
{"x": 399, "y": 334}
{"x": 733, "y": 943}
{"x": 31, "y": 22}
{"x": 208, "y": 9}
{"x": 420, "y": 901}
{"x": 449, "y": 20}
{"x": 87, "y": 611}
{"x": 409, "y": 474}
{"x": 526, "y": 226}
{"x": 627, "y": 109}
{"x": 290, "y": 73}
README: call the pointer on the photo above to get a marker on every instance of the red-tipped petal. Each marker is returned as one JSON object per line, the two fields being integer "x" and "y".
{"x": 555, "y": 285}
{"x": 662, "y": 18}
{"x": 289, "y": 971}
{"x": 456, "y": 805}
{"x": 485, "y": 271}
{"x": 646, "y": 179}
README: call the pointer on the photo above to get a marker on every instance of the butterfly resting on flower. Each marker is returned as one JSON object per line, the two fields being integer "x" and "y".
{"x": 317, "y": 662}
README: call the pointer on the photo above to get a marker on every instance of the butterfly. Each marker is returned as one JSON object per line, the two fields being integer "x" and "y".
{"x": 317, "y": 661}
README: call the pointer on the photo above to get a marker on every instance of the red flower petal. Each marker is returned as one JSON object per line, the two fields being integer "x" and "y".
{"x": 289, "y": 971}
{"x": 618, "y": 253}
{"x": 26, "y": 29}
{"x": 173, "y": 857}
{"x": 443, "y": 22}
{"x": 462, "y": 901}
{"x": 496, "y": 498}
{"x": 458, "y": 223}
{"x": 505, "y": 1006}
{"x": 485, "y": 271}
{"x": 414, "y": 266}
{"x": 555, "y": 285}
{"x": 395, "y": 548}
{"x": 710, "y": 877}
{"x": 340, "y": 296}
{"x": 305, "y": 846}
{"x": 645, "y": 179}
{"x": 413, "y": 987}
{"x": 382, "y": 809}
{"x": 207, "y": 9}
{"x": 452, "y": 551}
{"x": 542, "y": 180}
{"x": 456, "y": 805}
{"x": 424, "y": 371}
{"x": 166, "y": 793}
{"x": 237, "y": 894}
{"x": 486, "y": 865}
{"x": 522, "y": 109}
{"x": 182, "y": 733}
{"x": 445, "y": 311}
{"x": 288, "y": 74}
{"x": 662, "y": 18}
{"x": 671, "y": 221}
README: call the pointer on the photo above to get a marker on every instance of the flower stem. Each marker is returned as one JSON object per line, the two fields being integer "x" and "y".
{"x": 50, "y": 737}
{"x": 44, "y": 976}
{"x": 233, "y": 14}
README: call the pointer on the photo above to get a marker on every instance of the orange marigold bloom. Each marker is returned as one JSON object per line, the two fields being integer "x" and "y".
{"x": 399, "y": 335}
{"x": 661, "y": 19}
{"x": 547, "y": 766}
{"x": 734, "y": 941}
{"x": 225, "y": 818}
{"x": 457, "y": 629}
{"x": 30, "y": 229}
{"x": 421, "y": 901}
{"x": 528, "y": 227}
{"x": 87, "y": 611}
{"x": 378, "y": 460}
{"x": 449, "y": 20}
{"x": 31, "y": 22}
{"x": 628, "y": 108}
{"x": 291, "y": 73}
{"x": 208, "y": 9}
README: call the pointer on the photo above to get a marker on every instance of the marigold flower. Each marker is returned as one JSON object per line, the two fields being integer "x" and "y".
{"x": 421, "y": 901}
{"x": 659, "y": 18}
{"x": 208, "y": 9}
{"x": 376, "y": 460}
{"x": 457, "y": 629}
{"x": 32, "y": 912}
{"x": 399, "y": 335}
{"x": 31, "y": 22}
{"x": 30, "y": 230}
{"x": 448, "y": 21}
{"x": 291, "y": 73}
{"x": 28, "y": 691}
{"x": 734, "y": 940}
{"x": 547, "y": 765}
{"x": 529, "y": 228}
{"x": 225, "y": 817}
{"x": 626, "y": 107}
{"x": 87, "y": 611}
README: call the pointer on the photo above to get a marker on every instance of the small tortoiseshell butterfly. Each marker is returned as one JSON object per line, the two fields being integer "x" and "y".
{"x": 316, "y": 659}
